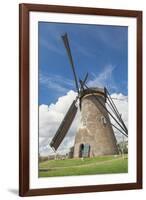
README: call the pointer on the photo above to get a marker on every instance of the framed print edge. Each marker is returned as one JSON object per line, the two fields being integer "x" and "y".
{"x": 139, "y": 101}
{"x": 24, "y": 149}
{"x": 23, "y": 102}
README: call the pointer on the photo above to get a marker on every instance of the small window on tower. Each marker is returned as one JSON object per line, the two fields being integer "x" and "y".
{"x": 84, "y": 120}
{"x": 104, "y": 121}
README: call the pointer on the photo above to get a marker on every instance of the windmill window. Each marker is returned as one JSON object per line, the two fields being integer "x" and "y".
{"x": 84, "y": 119}
{"x": 104, "y": 121}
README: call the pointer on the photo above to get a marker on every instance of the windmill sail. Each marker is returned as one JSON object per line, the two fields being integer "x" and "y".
{"x": 66, "y": 44}
{"x": 83, "y": 82}
{"x": 117, "y": 118}
{"x": 64, "y": 126}
{"x": 67, "y": 121}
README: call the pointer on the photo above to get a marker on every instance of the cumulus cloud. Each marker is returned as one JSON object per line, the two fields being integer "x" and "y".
{"x": 51, "y": 116}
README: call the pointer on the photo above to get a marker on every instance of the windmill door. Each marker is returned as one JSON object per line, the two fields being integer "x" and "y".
{"x": 84, "y": 150}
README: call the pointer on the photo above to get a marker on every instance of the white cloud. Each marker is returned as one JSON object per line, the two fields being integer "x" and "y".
{"x": 82, "y": 49}
{"x": 104, "y": 79}
{"x": 121, "y": 102}
{"x": 51, "y": 116}
{"x": 55, "y": 82}
{"x": 52, "y": 46}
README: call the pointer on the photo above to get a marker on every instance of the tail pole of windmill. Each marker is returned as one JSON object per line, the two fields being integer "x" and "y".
{"x": 95, "y": 135}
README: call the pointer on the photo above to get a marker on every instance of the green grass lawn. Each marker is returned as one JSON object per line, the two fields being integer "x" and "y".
{"x": 87, "y": 166}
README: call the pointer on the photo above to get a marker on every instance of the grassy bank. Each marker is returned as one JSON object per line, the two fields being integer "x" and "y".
{"x": 87, "y": 166}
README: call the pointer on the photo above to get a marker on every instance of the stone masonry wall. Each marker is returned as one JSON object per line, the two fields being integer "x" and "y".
{"x": 94, "y": 129}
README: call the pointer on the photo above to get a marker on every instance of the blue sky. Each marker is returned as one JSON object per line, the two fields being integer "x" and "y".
{"x": 100, "y": 50}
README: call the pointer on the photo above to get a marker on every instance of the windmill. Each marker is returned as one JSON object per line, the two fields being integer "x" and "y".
{"x": 95, "y": 135}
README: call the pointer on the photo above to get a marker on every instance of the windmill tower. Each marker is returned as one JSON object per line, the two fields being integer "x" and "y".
{"x": 95, "y": 136}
